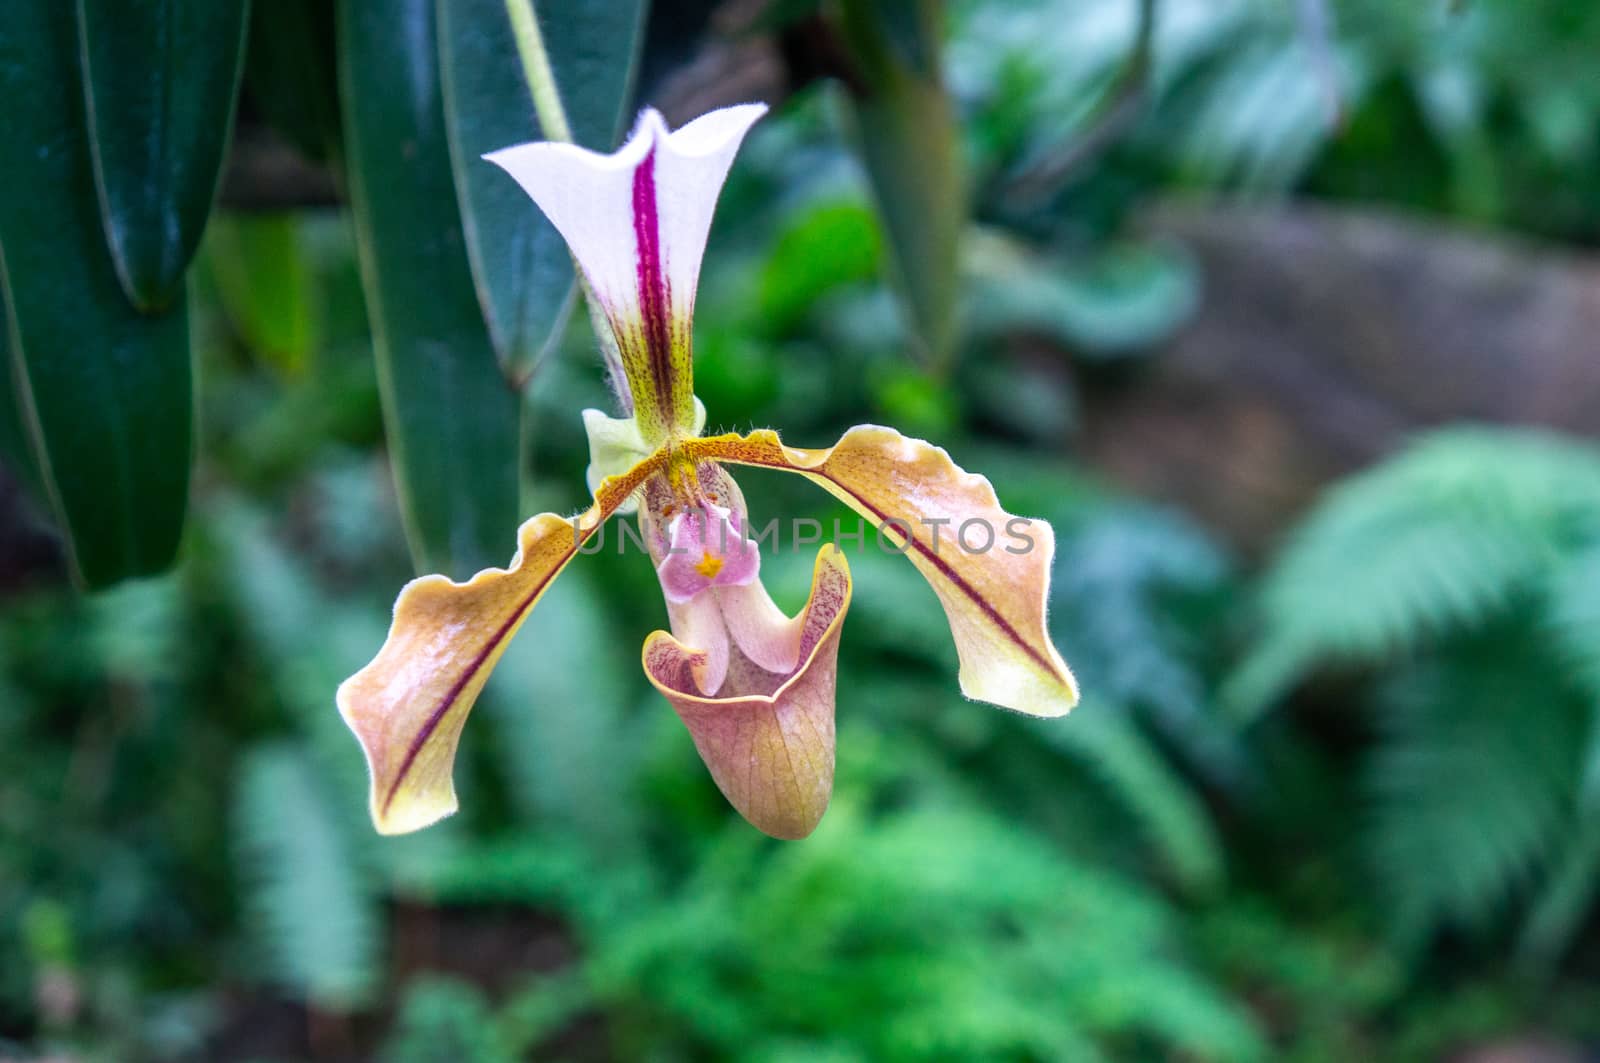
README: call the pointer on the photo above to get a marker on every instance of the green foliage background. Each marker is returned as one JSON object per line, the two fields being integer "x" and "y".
{"x": 1195, "y": 865}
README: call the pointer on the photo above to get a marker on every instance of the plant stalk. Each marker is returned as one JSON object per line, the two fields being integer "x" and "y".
{"x": 536, "y": 68}
{"x": 553, "y": 123}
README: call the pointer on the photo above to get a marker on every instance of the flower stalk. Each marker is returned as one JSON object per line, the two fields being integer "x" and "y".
{"x": 536, "y": 68}
{"x": 552, "y": 115}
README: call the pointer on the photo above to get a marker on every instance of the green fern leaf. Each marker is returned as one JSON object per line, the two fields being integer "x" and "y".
{"x": 1572, "y": 597}
{"x": 557, "y": 699}
{"x": 313, "y": 910}
{"x": 1434, "y": 542}
{"x": 1133, "y": 587}
{"x": 444, "y": 1019}
{"x": 1115, "y": 752}
{"x": 1472, "y": 784}
{"x": 928, "y": 934}
{"x": 1565, "y": 898}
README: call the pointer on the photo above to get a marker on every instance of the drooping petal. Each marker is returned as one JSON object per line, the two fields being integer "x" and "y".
{"x": 767, "y": 737}
{"x": 990, "y": 569}
{"x": 636, "y": 221}
{"x": 407, "y": 706}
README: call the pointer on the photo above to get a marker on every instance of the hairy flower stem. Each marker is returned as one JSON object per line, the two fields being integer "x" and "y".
{"x": 536, "y": 68}
{"x": 553, "y": 123}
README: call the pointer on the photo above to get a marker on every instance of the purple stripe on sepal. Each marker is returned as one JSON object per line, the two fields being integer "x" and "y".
{"x": 948, "y": 572}
{"x": 436, "y": 717}
{"x": 655, "y": 291}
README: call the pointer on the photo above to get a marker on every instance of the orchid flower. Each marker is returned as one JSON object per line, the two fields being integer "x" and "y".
{"x": 754, "y": 687}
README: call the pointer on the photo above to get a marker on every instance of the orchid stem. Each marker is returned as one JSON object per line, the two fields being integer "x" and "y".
{"x": 536, "y": 68}
{"x": 541, "y": 78}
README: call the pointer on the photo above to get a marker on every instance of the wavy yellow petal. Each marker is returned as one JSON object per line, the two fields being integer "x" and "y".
{"x": 767, "y": 737}
{"x": 993, "y": 579}
{"x": 407, "y": 706}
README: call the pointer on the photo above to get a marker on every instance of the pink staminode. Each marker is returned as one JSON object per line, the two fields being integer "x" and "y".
{"x": 706, "y": 548}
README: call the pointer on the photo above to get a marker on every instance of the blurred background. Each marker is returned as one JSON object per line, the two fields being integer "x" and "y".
{"x": 1284, "y": 313}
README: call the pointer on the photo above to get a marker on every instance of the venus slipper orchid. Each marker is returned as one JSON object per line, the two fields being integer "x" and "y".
{"x": 754, "y": 687}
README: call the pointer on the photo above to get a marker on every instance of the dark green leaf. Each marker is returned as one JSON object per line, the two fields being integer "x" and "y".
{"x": 105, "y": 392}
{"x": 15, "y": 455}
{"x": 291, "y": 73}
{"x": 903, "y": 126}
{"x": 453, "y": 421}
{"x": 160, "y": 80}
{"x": 519, "y": 262}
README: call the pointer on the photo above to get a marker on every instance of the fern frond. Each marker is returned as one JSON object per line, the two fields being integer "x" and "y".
{"x": 1565, "y": 898}
{"x": 541, "y": 1009}
{"x": 931, "y": 934}
{"x": 306, "y": 641}
{"x": 137, "y": 631}
{"x": 1165, "y": 806}
{"x": 445, "y": 1019}
{"x": 1572, "y": 610}
{"x": 557, "y": 700}
{"x": 1133, "y": 587}
{"x": 311, "y": 906}
{"x": 1436, "y": 541}
{"x": 1472, "y": 783}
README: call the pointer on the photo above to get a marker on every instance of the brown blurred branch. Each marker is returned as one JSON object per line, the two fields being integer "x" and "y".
{"x": 1326, "y": 337}
{"x": 265, "y": 173}
{"x": 749, "y": 54}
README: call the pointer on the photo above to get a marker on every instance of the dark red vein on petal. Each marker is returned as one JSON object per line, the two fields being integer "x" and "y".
{"x": 925, "y": 552}
{"x": 954, "y": 577}
{"x": 611, "y": 494}
{"x": 655, "y": 294}
{"x": 449, "y": 699}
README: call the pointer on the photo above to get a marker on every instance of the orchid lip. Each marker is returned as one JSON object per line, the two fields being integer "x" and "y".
{"x": 765, "y": 734}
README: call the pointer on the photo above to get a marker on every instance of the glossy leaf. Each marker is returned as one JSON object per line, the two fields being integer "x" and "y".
{"x": 160, "y": 80}
{"x": 520, "y": 265}
{"x": 454, "y": 422}
{"x": 105, "y": 392}
{"x": 903, "y": 126}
